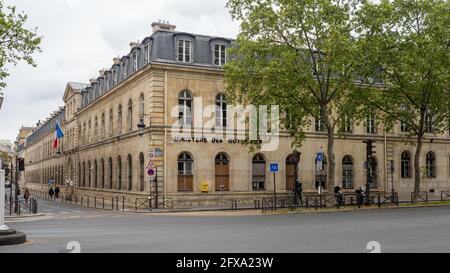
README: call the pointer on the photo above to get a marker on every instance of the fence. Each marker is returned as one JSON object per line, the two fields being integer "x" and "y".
{"x": 115, "y": 203}
{"x": 323, "y": 201}
{"x": 421, "y": 197}
{"x": 445, "y": 195}
{"x": 20, "y": 206}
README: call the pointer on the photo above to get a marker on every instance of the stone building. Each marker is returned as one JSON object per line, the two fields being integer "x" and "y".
{"x": 121, "y": 124}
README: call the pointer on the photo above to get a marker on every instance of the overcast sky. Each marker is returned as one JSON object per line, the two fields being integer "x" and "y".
{"x": 82, "y": 36}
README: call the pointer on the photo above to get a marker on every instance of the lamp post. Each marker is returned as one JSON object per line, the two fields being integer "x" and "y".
{"x": 141, "y": 124}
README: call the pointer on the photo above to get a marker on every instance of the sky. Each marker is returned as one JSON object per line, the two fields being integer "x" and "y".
{"x": 80, "y": 37}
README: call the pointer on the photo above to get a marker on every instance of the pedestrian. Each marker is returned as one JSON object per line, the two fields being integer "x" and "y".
{"x": 359, "y": 196}
{"x": 298, "y": 192}
{"x": 56, "y": 192}
{"x": 51, "y": 192}
{"x": 339, "y": 195}
{"x": 26, "y": 195}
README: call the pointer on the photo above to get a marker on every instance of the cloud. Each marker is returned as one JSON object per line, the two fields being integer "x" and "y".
{"x": 82, "y": 36}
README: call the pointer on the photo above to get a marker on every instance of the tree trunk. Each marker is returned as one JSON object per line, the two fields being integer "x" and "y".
{"x": 417, "y": 169}
{"x": 331, "y": 160}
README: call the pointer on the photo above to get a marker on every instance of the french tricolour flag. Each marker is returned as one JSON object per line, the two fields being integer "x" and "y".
{"x": 58, "y": 134}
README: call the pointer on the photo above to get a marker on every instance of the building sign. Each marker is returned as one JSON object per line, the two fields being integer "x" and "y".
{"x": 204, "y": 187}
{"x": 319, "y": 164}
{"x": 189, "y": 139}
{"x": 273, "y": 167}
{"x": 159, "y": 152}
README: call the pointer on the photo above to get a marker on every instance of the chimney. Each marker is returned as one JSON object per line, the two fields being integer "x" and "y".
{"x": 92, "y": 81}
{"x": 116, "y": 60}
{"x": 102, "y": 72}
{"x": 134, "y": 44}
{"x": 163, "y": 25}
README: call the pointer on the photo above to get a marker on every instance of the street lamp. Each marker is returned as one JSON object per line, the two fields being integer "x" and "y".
{"x": 141, "y": 124}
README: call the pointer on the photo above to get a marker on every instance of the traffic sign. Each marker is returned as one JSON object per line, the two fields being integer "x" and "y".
{"x": 273, "y": 167}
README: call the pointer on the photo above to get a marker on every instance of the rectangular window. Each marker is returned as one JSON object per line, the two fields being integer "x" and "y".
{"x": 147, "y": 53}
{"x": 124, "y": 67}
{"x": 219, "y": 55}
{"x": 184, "y": 51}
{"x": 135, "y": 62}
{"x": 371, "y": 124}
{"x": 319, "y": 125}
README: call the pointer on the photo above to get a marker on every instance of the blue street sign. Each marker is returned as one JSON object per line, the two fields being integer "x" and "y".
{"x": 273, "y": 167}
{"x": 319, "y": 157}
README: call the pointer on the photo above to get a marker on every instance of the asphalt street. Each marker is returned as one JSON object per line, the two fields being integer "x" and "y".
{"x": 396, "y": 230}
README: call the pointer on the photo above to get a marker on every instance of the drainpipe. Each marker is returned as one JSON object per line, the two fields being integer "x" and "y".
{"x": 165, "y": 137}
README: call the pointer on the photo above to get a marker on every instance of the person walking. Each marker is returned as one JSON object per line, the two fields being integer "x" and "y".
{"x": 56, "y": 192}
{"x": 298, "y": 192}
{"x": 51, "y": 192}
{"x": 338, "y": 195}
{"x": 359, "y": 196}
{"x": 26, "y": 195}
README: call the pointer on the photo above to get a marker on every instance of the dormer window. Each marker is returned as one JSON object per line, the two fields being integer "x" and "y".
{"x": 219, "y": 55}
{"x": 135, "y": 62}
{"x": 125, "y": 67}
{"x": 115, "y": 76}
{"x": 184, "y": 51}
{"x": 147, "y": 53}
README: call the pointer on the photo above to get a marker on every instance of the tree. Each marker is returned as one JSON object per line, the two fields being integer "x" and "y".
{"x": 16, "y": 42}
{"x": 410, "y": 40}
{"x": 304, "y": 57}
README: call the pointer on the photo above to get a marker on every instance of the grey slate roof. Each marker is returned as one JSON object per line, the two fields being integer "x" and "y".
{"x": 77, "y": 86}
{"x": 163, "y": 49}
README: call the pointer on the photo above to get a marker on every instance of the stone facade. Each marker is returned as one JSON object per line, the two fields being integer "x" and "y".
{"x": 105, "y": 152}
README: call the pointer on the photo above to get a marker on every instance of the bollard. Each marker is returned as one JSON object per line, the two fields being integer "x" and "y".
{"x": 81, "y": 201}
{"x": 123, "y": 203}
{"x": 88, "y": 201}
{"x": 379, "y": 201}
{"x": 103, "y": 202}
{"x": 95, "y": 201}
{"x": 117, "y": 203}
{"x": 112, "y": 203}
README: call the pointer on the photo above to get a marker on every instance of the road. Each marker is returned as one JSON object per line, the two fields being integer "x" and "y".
{"x": 397, "y": 230}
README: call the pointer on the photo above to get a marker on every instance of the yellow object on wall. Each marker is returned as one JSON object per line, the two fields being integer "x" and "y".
{"x": 204, "y": 187}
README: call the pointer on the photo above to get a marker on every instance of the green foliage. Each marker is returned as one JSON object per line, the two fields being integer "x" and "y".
{"x": 410, "y": 40}
{"x": 16, "y": 42}
{"x": 300, "y": 55}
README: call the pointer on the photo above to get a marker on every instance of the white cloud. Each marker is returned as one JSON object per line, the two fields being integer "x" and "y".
{"x": 82, "y": 36}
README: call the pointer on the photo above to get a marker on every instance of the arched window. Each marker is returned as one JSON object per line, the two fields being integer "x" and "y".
{"x": 119, "y": 119}
{"x": 110, "y": 173}
{"x": 290, "y": 172}
{"x": 95, "y": 127}
{"x": 119, "y": 173}
{"x": 89, "y": 173}
{"x": 79, "y": 175}
{"x": 95, "y": 174}
{"x": 406, "y": 165}
{"x": 185, "y": 172}
{"x": 130, "y": 116}
{"x": 222, "y": 171}
{"x": 102, "y": 170}
{"x": 141, "y": 172}
{"x": 141, "y": 106}
{"x": 103, "y": 134}
{"x": 185, "y": 108}
{"x": 89, "y": 132}
{"x": 130, "y": 172}
{"x": 431, "y": 165}
{"x": 347, "y": 172}
{"x": 259, "y": 172}
{"x": 321, "y": 171}
{"x": 221, "y": 110}
{"x": 84, "y": 174}
{"x": 111, "y": 122}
